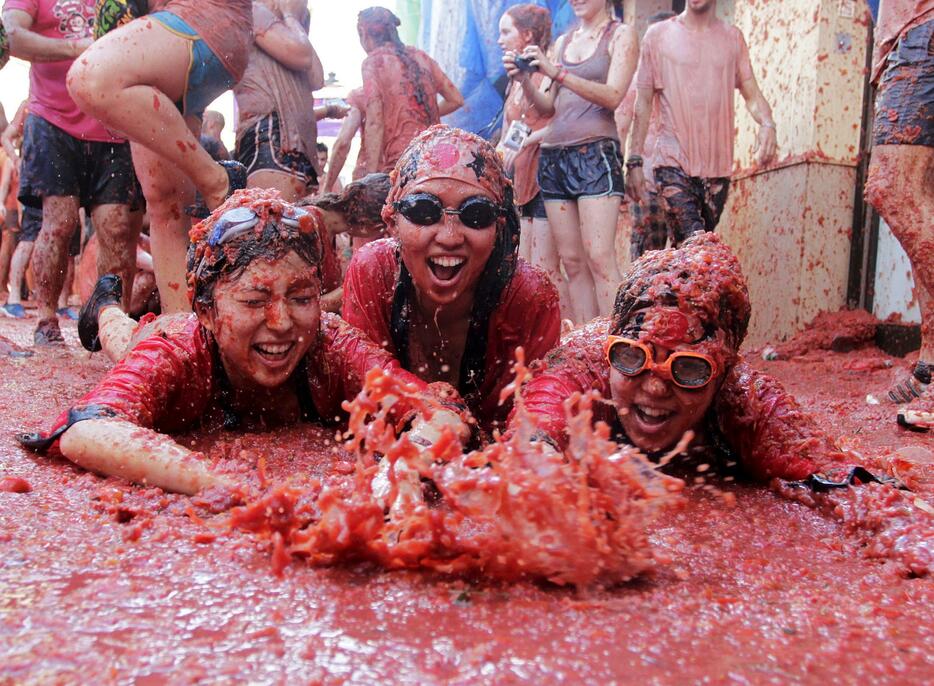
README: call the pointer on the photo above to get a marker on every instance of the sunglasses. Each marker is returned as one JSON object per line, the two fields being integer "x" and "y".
{"x": 685, "y": 369}
{"x": 426, "y": 209}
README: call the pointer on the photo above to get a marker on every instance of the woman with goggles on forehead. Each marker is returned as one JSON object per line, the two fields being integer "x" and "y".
{"x": 668, "y": 360}
{"x": 257, "y": 352}
{"x": 447, "y": 293}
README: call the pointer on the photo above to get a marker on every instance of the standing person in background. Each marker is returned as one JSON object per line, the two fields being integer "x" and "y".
{"x": 692, "y": 64}
{"x": 334, "y": 185}
{"x": 580, "y": 171}
{"x": 69, "y": 159}
{"x": 649, "y": 228}
{"x": 211, "y": 127}
{"x": 9, "y": 215}
{"x": 277, "y": 131}
{"x": 158, "y": 103}
{"x": 402, "y": 85}
{"x": 901, "y": 173}
{"x": 523, "y": 130}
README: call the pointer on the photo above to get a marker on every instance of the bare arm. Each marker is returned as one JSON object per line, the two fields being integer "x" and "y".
{"x": 451, "y": 98}
{"x": 758, "y": 106}
{"x": 635, "y": 179}
{"x": 543, "y": 97}
{"x": 374, "y": 134}
{"x": 119, "y": 448}
{"x": 331, "y": 302}
{"x": 32, "y": 47}
{"x": 287, "y": 43}
{"x": 13, "y": 134}
{"x": 341, "y": 147}
{"x": 315, "y": 72}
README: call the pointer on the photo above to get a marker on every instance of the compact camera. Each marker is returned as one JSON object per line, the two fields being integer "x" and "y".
{"x": 525, "y": 64}
{"x": 516, "y": 135}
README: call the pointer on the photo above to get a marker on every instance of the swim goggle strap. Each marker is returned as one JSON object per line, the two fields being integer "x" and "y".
{"x": 683, "y": 368}
{"x": 426, "y": 209}
{"x": 239, "y": 220}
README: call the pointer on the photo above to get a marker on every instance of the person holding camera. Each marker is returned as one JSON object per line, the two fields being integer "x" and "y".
{"x": 580, "y": 172}
{"x": 523, "y": 130}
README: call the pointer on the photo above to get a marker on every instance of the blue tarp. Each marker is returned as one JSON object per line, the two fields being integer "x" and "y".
{"x": 483, "y": 79}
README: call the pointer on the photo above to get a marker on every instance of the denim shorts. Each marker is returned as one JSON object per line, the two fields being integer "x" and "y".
{"x": 905, "y": 99}
{"x": 589, "y": 170}
{"x": 207, "y": 78}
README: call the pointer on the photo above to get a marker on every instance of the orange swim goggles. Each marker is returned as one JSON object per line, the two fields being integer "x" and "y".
{"x": 684, "y": 369}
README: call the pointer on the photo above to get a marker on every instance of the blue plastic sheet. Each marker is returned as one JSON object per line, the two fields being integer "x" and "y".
{"x": 482, "y": 79}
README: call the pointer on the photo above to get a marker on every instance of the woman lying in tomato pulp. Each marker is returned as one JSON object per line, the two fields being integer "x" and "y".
{"x": 668, "y": 361}
{"x": 257, "y": 352}
{"x": 447, "y": 294}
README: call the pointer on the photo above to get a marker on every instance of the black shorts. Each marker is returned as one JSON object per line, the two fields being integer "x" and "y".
{"x": 590, "y": 170}
{"x": 534, "y": 208}
{"x": 905, "y": 98}
{"x": 56, "y": 164}
{"x": 32, "y": 225}
{"x": 259, "y": 148}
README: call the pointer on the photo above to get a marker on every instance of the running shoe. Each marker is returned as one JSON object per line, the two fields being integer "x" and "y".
{"x": 912, "y": 387}
{"x": 48, "y": 333}
{"x": 14, "y": 311}
{"x": 68, "y": 313}
{"x": 918, "y": 415}
{"x": 107, "y": 291}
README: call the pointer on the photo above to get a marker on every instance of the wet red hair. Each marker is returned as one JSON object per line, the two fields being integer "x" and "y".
{"x": 534, "y": 20}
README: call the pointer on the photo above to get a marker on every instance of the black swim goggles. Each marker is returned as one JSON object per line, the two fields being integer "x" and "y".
{"x": 426, "y": 209}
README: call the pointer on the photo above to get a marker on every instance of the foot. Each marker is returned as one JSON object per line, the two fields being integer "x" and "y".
{"x": 68, "y": 313}
{"x": 918, "y": 415}
{"x": 13, "y": 310}
{"x": 236, "y": 179}
{"x": 48, "y": 333}
{"x": 107, "y": 291}
{"x": 912, "y": 387}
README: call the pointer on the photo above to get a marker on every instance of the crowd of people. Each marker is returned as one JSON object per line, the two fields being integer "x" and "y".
{"x": 463, "y": 249}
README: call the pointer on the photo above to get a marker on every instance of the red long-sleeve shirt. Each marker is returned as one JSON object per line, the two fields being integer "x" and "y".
{"x": 171, "y": 380}
{"x": 759, "y": 420}
{"x": 528, "y": 314}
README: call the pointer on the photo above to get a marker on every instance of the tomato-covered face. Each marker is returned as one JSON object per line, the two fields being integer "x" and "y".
{"x": 654, "y": 411}
{"x": 445, "y": 258}
{"x": 265, "y": 320}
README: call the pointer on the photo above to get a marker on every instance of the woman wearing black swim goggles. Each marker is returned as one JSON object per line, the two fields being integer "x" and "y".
{"x": 425, "y": 209}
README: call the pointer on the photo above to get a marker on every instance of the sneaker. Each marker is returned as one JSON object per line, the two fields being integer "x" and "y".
{"x": 13, "y": 310}
{"x": 918, "y": 415}
{"x": 107, "y": 291}
{"x": 912, "y": 387}
{"x": 48, "y": 333}
{"x": 68, "y": 313}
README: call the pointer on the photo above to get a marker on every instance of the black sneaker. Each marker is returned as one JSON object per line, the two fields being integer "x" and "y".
{"x": 107, "y": 291}
{"x": 236, "y": 180}
{"x": 48, "y": 333}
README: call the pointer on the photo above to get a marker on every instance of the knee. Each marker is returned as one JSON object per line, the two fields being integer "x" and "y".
{"x": 574, "y": 266}
{"x": 89, "y": 84}
{"x": 879, "y": 189}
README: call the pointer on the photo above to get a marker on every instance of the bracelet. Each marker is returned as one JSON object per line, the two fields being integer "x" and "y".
{"x": 562, "y": 73}
{"x": 634, "y": 161}
{"x": 770, "y": 125}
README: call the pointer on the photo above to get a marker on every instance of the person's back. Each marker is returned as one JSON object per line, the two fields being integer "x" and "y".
{"x": 403, "y": 78}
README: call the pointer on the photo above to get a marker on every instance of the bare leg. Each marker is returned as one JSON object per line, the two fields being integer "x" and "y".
{"x": 68, "y": 284}
{"x": 167, "y": 192}
{"x": 525, "y": 239}
{"x": 565, "y": 227}
{"x": 18, "y": 264}
{"x": 598, "y": 221}
{"x": 116, "y": 252}
{"x": 292, "y": 189}
{"x": 143, "y": 287}
{"x": 545, "y": 256}
{"x": 901, "y": 188}
{"x": 115, "y": 330}
{"x": 59, "y": 222}
{"x": 6, "y": 256}
{"x": 118, "y": 82}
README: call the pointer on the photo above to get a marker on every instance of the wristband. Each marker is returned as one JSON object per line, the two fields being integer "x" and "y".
{"x": 770, "y": 125}
{"x": 634, "y": 161}
{"x": 562, "y": 73}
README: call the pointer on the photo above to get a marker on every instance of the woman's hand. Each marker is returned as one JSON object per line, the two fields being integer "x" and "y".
{"x": 540, "y": 59}
{"x": 512, "y": 71}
